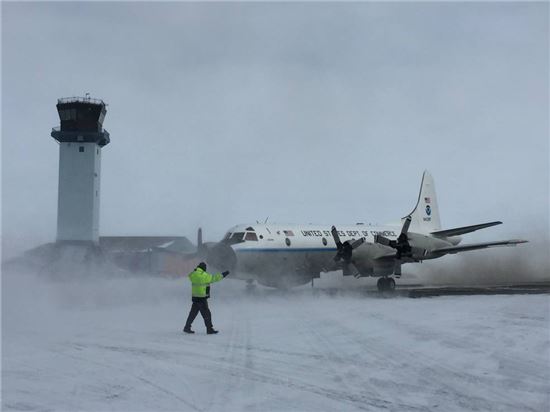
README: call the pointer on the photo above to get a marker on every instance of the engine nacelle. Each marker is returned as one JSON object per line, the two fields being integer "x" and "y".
{"x": 421, "y": 245}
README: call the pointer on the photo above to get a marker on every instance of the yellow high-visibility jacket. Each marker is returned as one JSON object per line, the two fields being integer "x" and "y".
{"x": 200, "y": 279}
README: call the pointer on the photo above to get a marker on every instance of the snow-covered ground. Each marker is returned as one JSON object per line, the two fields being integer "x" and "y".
{"x": 117, "y": 345}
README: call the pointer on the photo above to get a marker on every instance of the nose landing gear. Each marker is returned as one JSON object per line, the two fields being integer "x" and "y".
{"x": 386, "y": 284}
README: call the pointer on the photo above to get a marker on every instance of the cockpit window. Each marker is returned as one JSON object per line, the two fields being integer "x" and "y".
{"x": 237, "y": 236}
{"x": 250, "y": 228}
{"x": 233, "y": 238}
{"x": 251, "y": 236}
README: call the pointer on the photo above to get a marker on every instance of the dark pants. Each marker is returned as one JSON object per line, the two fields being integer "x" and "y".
{"x": 199, "y": 305}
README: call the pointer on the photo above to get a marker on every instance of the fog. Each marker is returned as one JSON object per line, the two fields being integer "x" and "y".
{"x": 221, "y": 113}
{"x": 116, "y": 343}
{"x": 523, "y": 263}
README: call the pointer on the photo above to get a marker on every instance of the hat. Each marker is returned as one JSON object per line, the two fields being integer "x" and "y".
{"x": 202, "y": 265}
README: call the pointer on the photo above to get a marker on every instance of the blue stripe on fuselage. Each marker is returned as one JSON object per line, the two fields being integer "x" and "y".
{"x": 287, "y": 250}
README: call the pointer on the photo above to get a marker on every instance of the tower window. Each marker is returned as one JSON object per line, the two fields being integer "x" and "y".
{"x": 81, "y": 149}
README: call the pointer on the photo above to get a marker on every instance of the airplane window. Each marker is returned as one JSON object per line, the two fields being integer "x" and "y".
{"x": 251, "y": 236}
{"x": 287, "y": 241}
{"x": 324, "y": 241}
{"x": 237, "y": 237}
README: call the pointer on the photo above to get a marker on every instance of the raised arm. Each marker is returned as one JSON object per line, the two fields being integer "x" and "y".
{"x": 209, "y": 278}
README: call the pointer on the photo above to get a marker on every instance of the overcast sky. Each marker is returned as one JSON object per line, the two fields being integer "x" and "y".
{"x": 228, "y": 113}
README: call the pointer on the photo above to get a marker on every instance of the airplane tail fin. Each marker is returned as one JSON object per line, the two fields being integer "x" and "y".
{"x": 425, "y": 216}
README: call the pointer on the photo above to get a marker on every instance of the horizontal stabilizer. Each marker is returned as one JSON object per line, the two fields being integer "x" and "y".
{"x": 475, "y": 246}
{"x": 462, "y": 230}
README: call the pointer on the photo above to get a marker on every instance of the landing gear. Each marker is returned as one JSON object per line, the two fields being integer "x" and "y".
{"x": 386, "y": 284}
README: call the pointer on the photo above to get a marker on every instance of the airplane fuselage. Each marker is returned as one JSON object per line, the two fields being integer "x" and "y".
{"x": 289, "y": 255}
{"x": 286, "y": 255}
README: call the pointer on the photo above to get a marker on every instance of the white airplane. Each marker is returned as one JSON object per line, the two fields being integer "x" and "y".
{"x": 286, "y": 255}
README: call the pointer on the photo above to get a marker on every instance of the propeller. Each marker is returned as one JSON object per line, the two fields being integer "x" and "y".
{"x": 218, "y": 254}
{"x": 201, "y": 247}
{"x": 401, "y": 245}
{"x": 344, "y": 252}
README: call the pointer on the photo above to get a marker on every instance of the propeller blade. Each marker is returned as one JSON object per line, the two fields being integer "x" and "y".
{"x": 397, "y": 268}
{"x": 336, "y": 237}
{"x": 406, "y": 225}
{"x": 339, "y": 246}
{"x": 349, "y": 269}
{"x": 357, "y": 243}
{"x": 201, "y": 247}
{"x": 382, "y": 240}
{"x": 199, "y": 238}
{"x": 345, "y": 270}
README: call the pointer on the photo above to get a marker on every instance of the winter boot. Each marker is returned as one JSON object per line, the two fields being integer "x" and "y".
{"x": 211, "y": 331}
{"x": 188, "y": 330}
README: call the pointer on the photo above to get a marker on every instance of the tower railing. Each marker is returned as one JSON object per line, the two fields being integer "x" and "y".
{"x": 75, "y": 99}
{"x": 58, "y": 129}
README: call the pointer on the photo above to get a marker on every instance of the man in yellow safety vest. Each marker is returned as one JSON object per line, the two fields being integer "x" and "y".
{"x": 200, "y": 289}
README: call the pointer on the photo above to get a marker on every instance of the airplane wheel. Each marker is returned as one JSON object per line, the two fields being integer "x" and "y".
{"x": 390, "y": 284}
{"x": 381, "y": 284}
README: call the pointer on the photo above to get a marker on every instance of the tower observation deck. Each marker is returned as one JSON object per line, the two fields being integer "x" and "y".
{"x": 81, "y": 137}
{"x": 81, "y": 120}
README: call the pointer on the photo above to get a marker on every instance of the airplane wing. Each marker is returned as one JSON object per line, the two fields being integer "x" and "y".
{"x": 465, "y": 229}
{"x": 475, "y": 246}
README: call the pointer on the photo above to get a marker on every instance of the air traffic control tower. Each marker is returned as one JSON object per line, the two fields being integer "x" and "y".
{"x": 81, "y": 137}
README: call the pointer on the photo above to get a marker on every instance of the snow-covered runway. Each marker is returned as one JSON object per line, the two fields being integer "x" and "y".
{"x": 118, "y": 345}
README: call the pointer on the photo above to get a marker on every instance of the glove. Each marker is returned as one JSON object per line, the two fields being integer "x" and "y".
{"x": 224, "y": 274}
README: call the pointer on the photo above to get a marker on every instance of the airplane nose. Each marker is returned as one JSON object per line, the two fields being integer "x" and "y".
{"x": 222, "y": 256}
